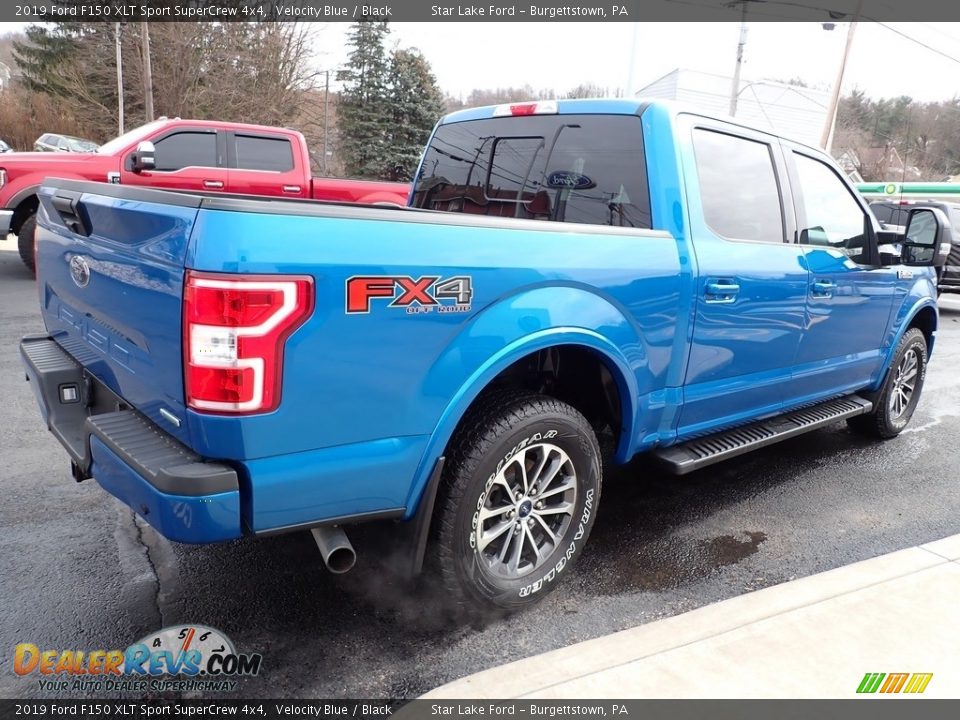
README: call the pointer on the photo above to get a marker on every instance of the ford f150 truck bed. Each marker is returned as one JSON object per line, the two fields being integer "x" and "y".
{"x": 602, "y": 272}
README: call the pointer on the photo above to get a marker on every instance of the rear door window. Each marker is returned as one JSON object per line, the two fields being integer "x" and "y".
{"x": 255, "y": 152}
{"x": 738, "y": 187}
{"x": 562, "y": 168}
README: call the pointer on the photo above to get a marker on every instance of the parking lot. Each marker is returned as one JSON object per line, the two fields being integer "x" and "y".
{"x": 78, "y": 571}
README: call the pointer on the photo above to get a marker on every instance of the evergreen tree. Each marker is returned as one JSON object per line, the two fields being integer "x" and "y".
{"x": 364, "y": 116}
{"x": 45, "y": 50}
{"x": 416, "y": 104}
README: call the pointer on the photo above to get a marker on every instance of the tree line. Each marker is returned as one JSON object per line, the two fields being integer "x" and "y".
{"x": 922, "y": 134}
{"x": 257, "y": 72}
{"x": 380, "y": 114}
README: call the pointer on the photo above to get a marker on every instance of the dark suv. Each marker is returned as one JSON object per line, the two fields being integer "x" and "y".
{"x": 893, "y": 215}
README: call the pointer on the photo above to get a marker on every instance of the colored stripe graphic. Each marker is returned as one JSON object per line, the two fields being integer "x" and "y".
{"x": 895, "y": 682}
{"x": 870, "y": 682}
{"x": 918, "y": 683}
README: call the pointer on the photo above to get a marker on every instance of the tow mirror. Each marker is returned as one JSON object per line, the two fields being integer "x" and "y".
{"x": 144, "y": 157}
{"x": 927, "y": 238}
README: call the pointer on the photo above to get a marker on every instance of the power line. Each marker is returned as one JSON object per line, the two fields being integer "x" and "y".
{"x": 918, "y": 42}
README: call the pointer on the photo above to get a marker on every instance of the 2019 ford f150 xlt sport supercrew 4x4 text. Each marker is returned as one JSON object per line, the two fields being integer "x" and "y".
{"x": 694, "y": 289}
{"x": 199, "y": 155}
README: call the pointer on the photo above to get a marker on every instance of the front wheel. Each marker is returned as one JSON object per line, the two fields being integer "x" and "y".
{"x": 25, "y": 242}
{"x": 518, "y": 500}
{"x": 894, "y": 403}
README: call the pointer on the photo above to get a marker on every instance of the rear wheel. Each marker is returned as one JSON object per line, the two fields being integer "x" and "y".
{"x": 518, "y": 500}
{"x": 25, "y": 242}
{"x": 895, "y": 402}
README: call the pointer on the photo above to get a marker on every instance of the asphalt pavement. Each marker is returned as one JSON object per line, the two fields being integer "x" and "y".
{"x": 77, "y": 570}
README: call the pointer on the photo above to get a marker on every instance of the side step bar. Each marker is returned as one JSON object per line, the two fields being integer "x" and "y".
{"x": 695, "y": 454}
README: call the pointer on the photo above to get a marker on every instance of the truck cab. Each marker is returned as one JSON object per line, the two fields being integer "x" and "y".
{"x": 193, "y": 155}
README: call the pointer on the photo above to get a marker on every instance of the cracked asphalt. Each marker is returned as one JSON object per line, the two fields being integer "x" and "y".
{"x": 79, "y": 571}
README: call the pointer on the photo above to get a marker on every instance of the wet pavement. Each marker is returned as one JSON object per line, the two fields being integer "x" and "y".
{"x": 78, "y": 571}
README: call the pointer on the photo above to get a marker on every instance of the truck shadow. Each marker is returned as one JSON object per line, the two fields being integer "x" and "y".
{"x": 308, "y": 622}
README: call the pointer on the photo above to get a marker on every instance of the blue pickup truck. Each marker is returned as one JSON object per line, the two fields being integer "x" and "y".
{"x": 569, "y": 275}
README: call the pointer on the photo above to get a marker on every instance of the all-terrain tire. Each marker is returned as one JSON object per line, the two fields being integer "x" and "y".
{"x": 509, "y": 442}
{"x": 895, "y": 402}
{"x": 25, "y": 242}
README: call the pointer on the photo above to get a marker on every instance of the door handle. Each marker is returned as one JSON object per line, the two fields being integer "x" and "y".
{"x": 291, "y": 188}
{"x": 68, "y": 208}
{"x": 213, "y": 184}
{"x": 823, "y": 288}
{"x": 720, "y": 291}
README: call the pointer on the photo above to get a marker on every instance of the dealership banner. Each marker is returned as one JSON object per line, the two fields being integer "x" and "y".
{"x": 495, "y": 11}
{"x": 427, "y": 709}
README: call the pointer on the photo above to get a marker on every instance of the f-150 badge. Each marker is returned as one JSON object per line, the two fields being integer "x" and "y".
{"x": 426, "y": 294}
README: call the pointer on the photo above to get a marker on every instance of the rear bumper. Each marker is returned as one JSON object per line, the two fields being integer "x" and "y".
{"x": 184, "y": 497}
{"x": 6, "y": 218}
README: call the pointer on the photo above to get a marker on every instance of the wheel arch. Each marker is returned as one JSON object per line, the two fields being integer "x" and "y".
{"x": 605, "y": 352}
{"x": 922, "y": 315}
{"x": 24, "y": 204}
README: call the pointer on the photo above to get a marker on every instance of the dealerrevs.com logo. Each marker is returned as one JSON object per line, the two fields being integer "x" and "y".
{"x": 178, "y": 658}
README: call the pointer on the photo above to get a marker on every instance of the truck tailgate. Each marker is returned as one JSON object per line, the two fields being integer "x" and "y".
{"x": 110, "y": 276}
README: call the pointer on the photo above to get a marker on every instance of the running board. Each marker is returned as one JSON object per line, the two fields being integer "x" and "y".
{"x": 695, "y": 454}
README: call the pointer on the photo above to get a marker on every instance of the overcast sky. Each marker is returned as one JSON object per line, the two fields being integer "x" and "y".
{"x": 561, "y": 55}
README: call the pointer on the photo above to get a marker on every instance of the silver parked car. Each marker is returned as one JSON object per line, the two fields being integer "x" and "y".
{"x": 54, "y": 142}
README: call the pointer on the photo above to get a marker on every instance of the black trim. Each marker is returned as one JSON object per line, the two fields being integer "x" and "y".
{"x": 168, "y": 465}
{"x": 354, "y": 519}
{"x": 420, "y": 525}
{"x": 126, "y": 192}
{"x": 164, "y": 462}
{"x": 21, "y": 196}
{"x": 282, "y": 206}
{"x": 315, "y": 208}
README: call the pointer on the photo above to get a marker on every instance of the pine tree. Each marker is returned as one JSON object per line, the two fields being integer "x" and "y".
{"x": 416, "y": 104}
{"x": 46, "y": 49}
{"x": 364, "y": 117}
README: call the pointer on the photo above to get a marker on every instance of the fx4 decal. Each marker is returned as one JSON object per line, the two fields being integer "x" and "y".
{"x": 429, "y": 293}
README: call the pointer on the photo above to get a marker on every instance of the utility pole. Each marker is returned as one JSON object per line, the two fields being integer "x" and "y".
{"x": 826, "y": 137}
{"x": 631, "y": 70}
{"x": 147, "y": 70}
{"x": 326, "y": 110}
{"x": 116, "y": 32}
{"x": 735, "y": 88}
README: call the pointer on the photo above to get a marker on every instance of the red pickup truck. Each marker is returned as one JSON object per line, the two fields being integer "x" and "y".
{"x": 197, "y": 155}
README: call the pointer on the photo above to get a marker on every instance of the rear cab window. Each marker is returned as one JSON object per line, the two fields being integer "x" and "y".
{"x": 561, "y": 168}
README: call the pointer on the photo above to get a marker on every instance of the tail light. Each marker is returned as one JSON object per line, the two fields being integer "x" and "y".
{"x": 234, "y": 331}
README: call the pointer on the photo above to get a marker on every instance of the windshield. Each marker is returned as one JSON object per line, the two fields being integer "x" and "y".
{"x": 565, "y": 168}
{"x": 80, "y": 145}
{"x": 128, "y": 138}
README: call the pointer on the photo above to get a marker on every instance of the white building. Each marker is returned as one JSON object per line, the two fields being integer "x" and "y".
{"x": 790, "y": 111}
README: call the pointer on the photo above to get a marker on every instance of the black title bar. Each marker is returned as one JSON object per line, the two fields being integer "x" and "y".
{"x": 488, "y": 11}
{"x": 876, "y": 709}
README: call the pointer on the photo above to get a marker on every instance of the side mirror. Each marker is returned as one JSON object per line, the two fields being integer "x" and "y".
{"x": 144, "y": 157}
{"x": 927, "y": 238}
